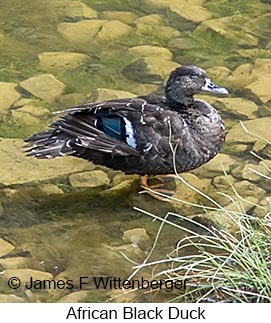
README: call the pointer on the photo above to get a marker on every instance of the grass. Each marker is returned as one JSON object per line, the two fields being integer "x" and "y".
{"x": 219, "y": 265}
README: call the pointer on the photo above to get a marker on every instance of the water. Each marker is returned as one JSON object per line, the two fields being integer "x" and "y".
{"x": 73, "y": 231}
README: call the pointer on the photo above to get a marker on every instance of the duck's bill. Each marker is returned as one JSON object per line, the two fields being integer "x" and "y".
{"x": 209, "y": 86}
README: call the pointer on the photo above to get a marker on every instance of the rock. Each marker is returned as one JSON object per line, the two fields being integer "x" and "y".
{"x": 257, "y": 129}
{"x": 261, "y": 88}
{"x": 72, "y": 99}
{"x": 218, "y": 73}
{"x": 126, "y": 17}
{"x": 16, "y": 262}
{"x": 241, "y": 108}
{"x": 186, "y": 15}
{"x": 114, "y": 29}
{"x": 251, "y": 172}
{"x": 121, "y": 189}
{"x": 29, "y": 115}
{"x": 44, "y": 86}
{"x": 183, "y": 43}
{"x": 8, "y": 95}
{"x": 23, "y": 101}
{"x": 244, "y": 206}
{"x": 86, "y": 30}
{"x": 9, "y": 298}
{"x": 144, "y": 89}
{"x": 223, "y": 182}
{"x": 51, "y": 189}
{"x": 121, "y": 177}
{"x": 80, "y": 32}
{"x": 254, "y": 78}
{"x": 252, "y": 53}
{"x": 157, "y": 33}
{"x": 241, "y": 76}
{"x": 266, "y": 151}
{"x": 75, "y": 297}
{"x": 160, "y": 4}
{"x": 78, "y": 9}
{"x": 61, "y": 60}
{"x": 224, "y": 218}
{"x": 144, "y": 51}
{"x": 151, "y": 69}
{"x": 135, "y": 236}
{"x": 18, "y": 169}
{"x": 109, "y": 94}
{"x": 5, "y": 247}
{"x": 262, "y": 210}
{"x": 34, "y": 110}
{"x": 216, "y": 166}
{"x": 25, "y": 274}
{"x": 245, "y": 189}
{"x": 224, "y": 31}
{"x": 185, "y": 195}
{"x": 154, "y": 19}
{"x": 259, "y": 26}
{"x": 91, "y": 179}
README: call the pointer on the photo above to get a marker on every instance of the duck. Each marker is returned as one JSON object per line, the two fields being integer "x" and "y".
{"x": 148, "y": 135}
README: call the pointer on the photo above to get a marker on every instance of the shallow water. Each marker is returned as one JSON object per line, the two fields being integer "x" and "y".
{"x": 69, "y": 231}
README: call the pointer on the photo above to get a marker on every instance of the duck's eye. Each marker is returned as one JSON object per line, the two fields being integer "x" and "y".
{"x": 193, "y": 74}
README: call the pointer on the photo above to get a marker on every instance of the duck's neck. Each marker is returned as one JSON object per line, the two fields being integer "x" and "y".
{"x": 180, "y": 99}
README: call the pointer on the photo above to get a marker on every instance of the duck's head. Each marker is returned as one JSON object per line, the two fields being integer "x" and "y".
{"x": 185, "y": 81}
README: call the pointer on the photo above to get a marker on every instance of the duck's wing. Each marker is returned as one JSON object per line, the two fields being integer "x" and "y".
{"x": 106, "y": 127}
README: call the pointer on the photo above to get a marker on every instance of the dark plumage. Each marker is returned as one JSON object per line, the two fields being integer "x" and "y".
{"x": 137, "y": 135}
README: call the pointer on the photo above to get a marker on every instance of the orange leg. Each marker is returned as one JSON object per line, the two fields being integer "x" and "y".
{"x": 152, "y": 190}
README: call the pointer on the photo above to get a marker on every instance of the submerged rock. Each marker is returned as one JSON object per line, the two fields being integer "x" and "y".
{"x": 251, "y": 172}
{"x": 254, "y": 78}
{"x": 91, "y": 179}
{"x": 44, "y": 86}
{"x": 8, "y": 95}
{"x": 75, "y": 297}
{"x": 151, "y": 69}
{"x": 126, "y": 17}
{"x": 240, "y": 107}
{"x": 159, "y": 33}
{"x": 9, "y": 298}
{"x": 80, "y": 32}
{"x": 161, "y": 4}
{"x": 85, "y": 31}
{"x": 51, "y": 189}
{"x": 146, "y": 50}
{"x": 78, "y": 9}
{"x": 61, "y": 60}
{"x": 5, "y": 247}
{"x": 256, "y": 129}
{"x": 18, "y": 262}
{"x": 29, "y": 115}
{"x": 216, "y": 166}
{"x": 154, "y": 19}
{"x": 186, "y": 194}
{"x": 16, "y": 168}
{"x": 135, "y": 236}
{"x": 109, "y": 94}
{"x": 114, "y": 29}
{"x": 246, "y": 188}
{"x": 186, "y": 15}
{"x": 224, "y": 31}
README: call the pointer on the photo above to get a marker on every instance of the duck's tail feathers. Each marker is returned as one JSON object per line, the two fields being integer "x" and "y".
{"x": 49, "y": 144}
